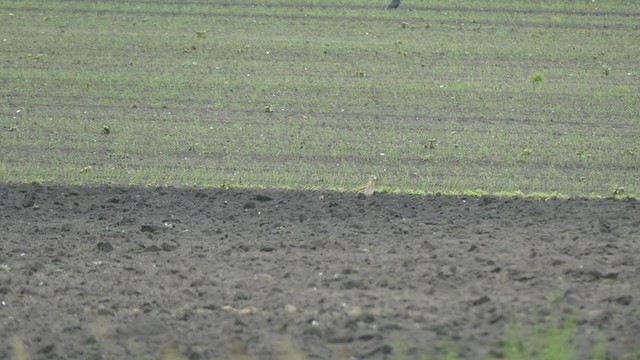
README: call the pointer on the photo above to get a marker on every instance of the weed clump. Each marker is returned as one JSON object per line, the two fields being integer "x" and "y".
{"x": 536, "y": 78}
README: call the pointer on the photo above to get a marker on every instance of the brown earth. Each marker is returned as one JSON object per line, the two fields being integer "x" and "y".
{"x": 117, "y": 273}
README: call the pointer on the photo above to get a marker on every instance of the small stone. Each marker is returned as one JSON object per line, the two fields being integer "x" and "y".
{"x": 125, "y": 221}
{"x": 598, "y": 317}
{"x": 376, "y": 311}
{"x": 47, "y": 349}
{"x": 624, "y": 300}
{"x": 495, "y": 318}
{"x": 290, "y": 308}
{"x": 572, "y": 298}
{"x": 604, "y": 226}
{"x": 367, "y": 318}
{"x": 340, "y": 338}
{"x": 352, "y": 284}
{"x": 486, "y": 200}
{"x": 198, "y": 282}
{"x": 611, "y": 274}
{"x": 241, "y": 296}
{"x": 377, "y": 352}
{"x": 105, "y": 312}
{"x": 521, "y": 275}
{"x": 248, "y": 310}
{"x": 152, "y": 248}
{"x": 104, "y": 246}
{"x": 586, "y": 275}
{"x": 169, "y": 246}
{"x": 354, "y": 311}
{"x": 483, "y": 299}
{"x": 148, "y": 228}
{"x": 34, "y": 267}
{"x": 369, "y": 337}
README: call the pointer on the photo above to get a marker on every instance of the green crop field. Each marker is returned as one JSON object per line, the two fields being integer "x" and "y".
{"x": 506, "y": 97}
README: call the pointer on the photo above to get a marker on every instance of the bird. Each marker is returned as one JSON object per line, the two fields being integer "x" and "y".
{"x": 393, "y": 4}
{"x": 368, "y": 189}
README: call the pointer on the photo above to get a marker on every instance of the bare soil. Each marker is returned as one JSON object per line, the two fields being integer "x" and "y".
{"x": 116, "y": 273}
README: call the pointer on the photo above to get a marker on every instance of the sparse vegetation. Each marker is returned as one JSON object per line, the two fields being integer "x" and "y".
{"x": 551, "y": 343}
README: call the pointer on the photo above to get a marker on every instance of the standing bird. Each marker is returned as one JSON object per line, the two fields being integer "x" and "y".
{"x": 393, "y": 4}
{"x": 368, "y": 189}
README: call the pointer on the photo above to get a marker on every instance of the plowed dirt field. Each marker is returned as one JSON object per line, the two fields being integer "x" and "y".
{"x": 115, "y": 273}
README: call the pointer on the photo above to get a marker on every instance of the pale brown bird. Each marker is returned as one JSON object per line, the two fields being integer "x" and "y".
{"x": 368, "y": 189}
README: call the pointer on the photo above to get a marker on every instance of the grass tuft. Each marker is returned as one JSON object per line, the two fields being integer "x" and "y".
{"x": 536, "y": 78}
